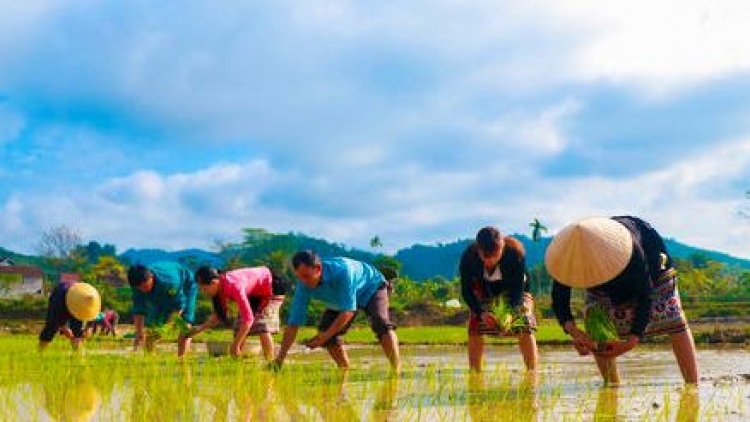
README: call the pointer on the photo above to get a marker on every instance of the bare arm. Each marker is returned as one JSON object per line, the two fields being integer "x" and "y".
{"x": 338, "y": 324}
{"x": 239, "y": 338}
{"x": 290, "y": 334}
{"x": 211, "y": 322}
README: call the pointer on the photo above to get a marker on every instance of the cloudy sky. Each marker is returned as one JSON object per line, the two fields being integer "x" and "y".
{"x": 176, "y": 123}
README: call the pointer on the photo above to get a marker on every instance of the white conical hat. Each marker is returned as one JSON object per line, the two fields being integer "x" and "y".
{"x": 589, "y": 252}
{"x": 83, "y": 301}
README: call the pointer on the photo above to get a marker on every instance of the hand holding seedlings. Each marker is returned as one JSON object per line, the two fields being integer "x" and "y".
{"x": 600, "y": 328}
{"x": 506, "y": 318}
{"x": 615, "y": 348}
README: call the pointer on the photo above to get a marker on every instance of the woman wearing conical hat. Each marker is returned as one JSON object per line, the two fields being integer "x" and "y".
{"x": 625, "y": 268}
{"x": 71, "y": 305}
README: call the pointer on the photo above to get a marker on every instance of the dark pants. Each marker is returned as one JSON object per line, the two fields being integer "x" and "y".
{"x": 376, "y": 311}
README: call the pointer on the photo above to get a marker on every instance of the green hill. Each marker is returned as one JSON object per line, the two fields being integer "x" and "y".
{"x": 426, "y": 261}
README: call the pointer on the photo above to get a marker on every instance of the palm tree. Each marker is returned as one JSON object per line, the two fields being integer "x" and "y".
{"x": 537, "y": 229}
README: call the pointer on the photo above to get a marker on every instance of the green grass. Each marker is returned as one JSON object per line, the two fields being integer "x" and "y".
{"x": 547, "y": 333}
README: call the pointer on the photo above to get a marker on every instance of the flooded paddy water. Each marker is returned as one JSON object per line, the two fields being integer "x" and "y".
{"x": 107, "y": 384}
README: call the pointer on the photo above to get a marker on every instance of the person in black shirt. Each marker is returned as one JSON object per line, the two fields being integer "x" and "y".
{"x": 624, "y": 266}
{"x": 493, "y": 268}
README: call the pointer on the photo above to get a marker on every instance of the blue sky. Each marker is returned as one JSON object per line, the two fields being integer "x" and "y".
{"x": 177, "y": 123}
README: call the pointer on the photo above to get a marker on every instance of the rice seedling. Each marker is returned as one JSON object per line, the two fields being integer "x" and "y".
{"x": 174, "y": 328}
{"x": 508, "y": 317}
{"x": 600, "y": 326}
{"x": 106, "y": 384}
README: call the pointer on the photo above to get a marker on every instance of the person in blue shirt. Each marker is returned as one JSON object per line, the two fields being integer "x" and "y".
{"x": 161, "y": 291}
{"x": 344, "y": 286}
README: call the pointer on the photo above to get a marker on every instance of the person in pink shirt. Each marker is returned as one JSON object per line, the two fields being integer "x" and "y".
{"x": 258, "y": 293}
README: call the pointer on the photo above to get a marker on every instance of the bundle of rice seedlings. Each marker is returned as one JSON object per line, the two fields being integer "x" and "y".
{"x": 600, "y": 327}
{"x": 507, "y": 317}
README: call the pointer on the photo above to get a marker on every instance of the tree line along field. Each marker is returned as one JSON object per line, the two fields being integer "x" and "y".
{"x": 712, "y": 291}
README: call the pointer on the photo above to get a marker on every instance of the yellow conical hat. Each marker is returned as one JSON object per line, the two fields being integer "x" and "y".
{"x": 589, "y": 252}
{"x": 83, "y": 301}
{"x": 81, "y": 402}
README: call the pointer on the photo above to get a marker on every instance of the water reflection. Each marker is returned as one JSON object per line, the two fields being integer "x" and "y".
{"x": 328, "y": 400}
{"x": 258, "y": 402}
{"x": 385, "y": 407}
{"x": 607, "y": 404}
{"x": 78, "y": 401}
{"x": 689, "y": 404}
{"x": 150, "y": 389}
{"x": 175, "y": 391}
{"x": 519, "y": 402}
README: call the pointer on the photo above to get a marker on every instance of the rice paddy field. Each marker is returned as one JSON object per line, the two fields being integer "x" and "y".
{"x": 110, "y": 383}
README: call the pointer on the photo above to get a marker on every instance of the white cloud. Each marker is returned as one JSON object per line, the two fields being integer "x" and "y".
{"x": 416, "y": 121}
{"x": 21, "y": 20}
{"x": 689, "y": 200}
{"x": 664, "y": 46}
{"x": 541, "y": 133}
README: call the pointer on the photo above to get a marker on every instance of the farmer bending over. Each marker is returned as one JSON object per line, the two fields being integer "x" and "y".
{"x": 493, "y": 272}
{"x": 70, "y": 305}
{"x": 627, "y": 272}
{"x": 259, "y": 294}
{"x": 162, "y": 291}
{"x": 344, "y": 286}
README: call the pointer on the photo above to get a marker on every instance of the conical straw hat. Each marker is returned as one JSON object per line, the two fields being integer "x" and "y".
{"x": 589, "y": 252}
{"x": 81, "y": 402}
{"x": 83, "y": 301}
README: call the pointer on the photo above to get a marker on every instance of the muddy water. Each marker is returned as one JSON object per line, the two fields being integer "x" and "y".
{"x": 568, "y": 387}
{"x": 433, "y": 386}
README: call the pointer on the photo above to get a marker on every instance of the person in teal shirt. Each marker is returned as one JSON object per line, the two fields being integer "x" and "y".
{"x": 160, "y": 291}
{"x": 344, "y": 286}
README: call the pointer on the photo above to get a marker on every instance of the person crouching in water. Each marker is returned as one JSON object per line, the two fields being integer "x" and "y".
{"x": 493, "y": 269}
{"x": 345, "y": 286}
{"x": 625, "y": 268}
{"x": 259, "y": 294}
{"x": 71, "y": 305}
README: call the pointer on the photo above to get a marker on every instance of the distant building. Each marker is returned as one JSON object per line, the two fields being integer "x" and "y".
{"x": 70, "y": 278}
{"x": 20, "y": 280}
{"x": 6, "y": 261}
